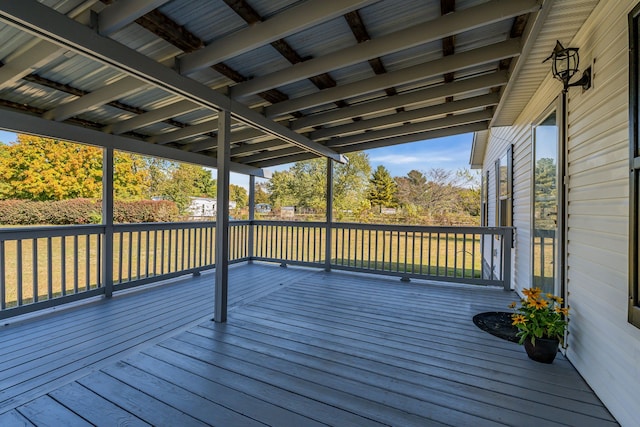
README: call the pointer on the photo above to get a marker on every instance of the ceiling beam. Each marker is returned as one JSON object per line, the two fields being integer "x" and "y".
{"x": 415, "y": 137}
{"x": 382, "y": 135}
{"x": 252, "y": 148}
{"x": 121, "y": 13}
{"x": 411, "y": 98}
{"x": 151, "y": 117}
{"x": 444, "y": 122}
{"x": 97, "y": 98}
{"x": 44, "y": 22}
{"x": 17, "y": 66}
{"x": 179, "y": 134}
{"x": 451, "y": 24}
{"x": 404, "y": 139}
{"x": 30, "y": 124}
{"x": 459, "y": 61}
{"x": 420, "y": 114}
{"x": 295, "y": 19}
{"x": 234, "y": 138}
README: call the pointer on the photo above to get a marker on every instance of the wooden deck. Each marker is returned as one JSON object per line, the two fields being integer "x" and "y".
{"x": 302, "y": 347}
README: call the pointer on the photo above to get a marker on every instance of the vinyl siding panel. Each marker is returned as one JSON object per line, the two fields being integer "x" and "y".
{"x": 603, "y": 346}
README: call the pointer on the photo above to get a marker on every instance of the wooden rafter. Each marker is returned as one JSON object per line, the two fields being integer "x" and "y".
{"x": 448, "y": 43}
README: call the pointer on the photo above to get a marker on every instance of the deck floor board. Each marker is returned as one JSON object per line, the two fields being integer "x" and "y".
{"x": 301, "y": 347}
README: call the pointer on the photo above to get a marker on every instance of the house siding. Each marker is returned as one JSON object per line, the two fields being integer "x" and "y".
{"x": 603, "y": 346}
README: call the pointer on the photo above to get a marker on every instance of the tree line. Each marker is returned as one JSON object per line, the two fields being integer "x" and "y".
{"x": 437, "y": 196}
{"x": 44, "y": 169}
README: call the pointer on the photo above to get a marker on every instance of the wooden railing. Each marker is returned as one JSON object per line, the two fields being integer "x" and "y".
{"x": 46, "y": 266}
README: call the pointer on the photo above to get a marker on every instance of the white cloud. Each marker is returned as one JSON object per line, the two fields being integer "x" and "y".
{"x": 395, "y": 159}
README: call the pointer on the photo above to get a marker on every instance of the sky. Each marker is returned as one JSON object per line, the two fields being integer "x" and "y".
{"x": 450, "y": 153}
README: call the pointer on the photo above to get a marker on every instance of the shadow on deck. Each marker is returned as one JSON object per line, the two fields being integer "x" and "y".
{"x": 301, "y": 347}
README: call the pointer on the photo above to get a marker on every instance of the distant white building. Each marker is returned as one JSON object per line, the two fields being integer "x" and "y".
{"x": 202, "y": 207}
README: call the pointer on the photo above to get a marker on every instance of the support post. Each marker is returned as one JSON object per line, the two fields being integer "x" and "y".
{"x": 252, "y": 210}
{"x": 329, "y": 225}
{"x": 222, "y": 218}
{"x": 107, "y": 221}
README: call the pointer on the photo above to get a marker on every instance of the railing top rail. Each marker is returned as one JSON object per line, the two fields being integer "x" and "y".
{"x": 33, "y": 232}
{"x": 392, "y": 227}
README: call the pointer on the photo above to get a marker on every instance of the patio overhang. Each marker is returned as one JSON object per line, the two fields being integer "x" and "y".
{"x": 299, "y": 79}
{"x": 528, "y": 70}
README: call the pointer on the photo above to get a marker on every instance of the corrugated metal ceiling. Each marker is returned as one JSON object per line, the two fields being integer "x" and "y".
{"x": 61, "y": 80}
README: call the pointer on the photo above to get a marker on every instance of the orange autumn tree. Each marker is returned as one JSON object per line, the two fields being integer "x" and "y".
{"x": 36, "y": 168}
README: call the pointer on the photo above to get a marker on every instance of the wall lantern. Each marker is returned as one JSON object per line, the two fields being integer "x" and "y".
{"x": 564, "y": 65}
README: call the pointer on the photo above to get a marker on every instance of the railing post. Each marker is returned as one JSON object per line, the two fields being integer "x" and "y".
{"x": 107, "y": 221}
{"x": 329, "y": 226}
{"x": 507, "y": 239}
{"x": 252, "y": 210}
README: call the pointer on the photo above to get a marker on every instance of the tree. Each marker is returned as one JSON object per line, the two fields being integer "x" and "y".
{"x": 350, "y": 182}
{"x": 383, "y": 189}
{"x": 412, "y": 190}
{"x": 261, "y": 193}
{"x": 35, "y": 168}
{"x": 188, "y": 181}
{"x": 238, "y": 194}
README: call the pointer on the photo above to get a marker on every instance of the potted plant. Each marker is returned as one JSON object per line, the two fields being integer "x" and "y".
{"x": 542, "y": 322}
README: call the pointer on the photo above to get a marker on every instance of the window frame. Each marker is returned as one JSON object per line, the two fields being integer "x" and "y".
{"x": 634, "y": 167}
{"x": 504, "y": 200}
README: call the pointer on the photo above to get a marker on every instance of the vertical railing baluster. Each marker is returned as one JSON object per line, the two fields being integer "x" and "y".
{"x": 475, "y": 238}
{"x": 19, "y": 271}
{"x": 99, "y": 261}
{"x": 120, "y": 256}
{"x": 34, "y": 268}
{"x": 87, "y": 267}
{"x": 63, "y": 264}
{"x": 422, "y": 250}
{"x": 438, "y": 249}
{"x": 455, "y": 254}
{"x": 147, "y": 253}
{"x": 76, "y": 273}
{"x": 49, "y": 268}
{"x": 492, "y": 259}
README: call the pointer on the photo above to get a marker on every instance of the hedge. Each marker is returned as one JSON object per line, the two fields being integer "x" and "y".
{"x": 84, "y": 211}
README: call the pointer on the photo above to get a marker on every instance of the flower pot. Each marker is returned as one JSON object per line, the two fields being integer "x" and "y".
{"x": 543, "y": 351}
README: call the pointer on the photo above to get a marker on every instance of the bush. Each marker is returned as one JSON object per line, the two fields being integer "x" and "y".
{"x": 83, "y": 211}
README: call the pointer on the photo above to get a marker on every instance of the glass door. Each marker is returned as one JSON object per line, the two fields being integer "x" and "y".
{"x": 546, "y": 221}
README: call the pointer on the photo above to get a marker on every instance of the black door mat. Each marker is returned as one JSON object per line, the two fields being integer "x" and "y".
{"x": 497, "y": 323}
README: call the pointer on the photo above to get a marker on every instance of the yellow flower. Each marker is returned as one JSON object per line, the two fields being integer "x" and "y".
{"x": 532, "y": 292}
{"x": 518, "y": 319}
{"x": 539, "y": 304}
{"x": 512, "y": 305}
{"x": 557, "y": 299}
{"x": 563, "y": 311}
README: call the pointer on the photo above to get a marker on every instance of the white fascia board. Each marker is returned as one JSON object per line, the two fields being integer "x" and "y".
{"x": 151, "y": 117}
{"x": 447, "y": 25}
{"x": 298, "y": 18}
{"x": 122, "y": 13}
{"x": 478, "y": 147}
{"x": 34, "y": 125}
{"x": 483, "y": 55}
{"x": 42, "y": 21}
{"x": 26, "y": 62}
{"x": 104, "y": 95}
{"x": 387, "y": 104}
{"x": 421, "y": 114}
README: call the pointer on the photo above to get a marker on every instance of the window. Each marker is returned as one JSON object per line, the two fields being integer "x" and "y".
{"x": 634, "y": 158}
{"x": 504, "y": 189}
